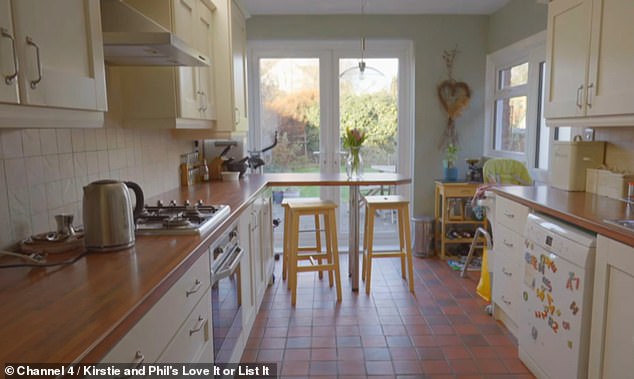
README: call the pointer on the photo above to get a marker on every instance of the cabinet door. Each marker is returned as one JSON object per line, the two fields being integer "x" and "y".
{"x": 8, "y": 56}
{"x": 567, "y": 57}
{"x": 60, "y": 51}
{"x": 612, "y": 331}
{"x": 611, "y": 83}
{"x": 188, "y": 94}
{"x": 184, "y": 20}
{"x": 239, "y": 53}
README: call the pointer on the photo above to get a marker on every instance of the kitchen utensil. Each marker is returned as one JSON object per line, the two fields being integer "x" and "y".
{"x": 65, "y": 224}
{"x": 109, "y": 220}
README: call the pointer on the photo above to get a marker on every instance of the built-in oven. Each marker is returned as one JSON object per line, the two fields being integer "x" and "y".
{"x": 226, "y": 295}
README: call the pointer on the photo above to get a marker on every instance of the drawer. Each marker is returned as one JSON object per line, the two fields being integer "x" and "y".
{"x": 458, "y": 191}
{"x": 506, "y": 293}
{"x": 511, "y": 214}
{"x": 193, "y": 340}
{"x": 147, "y": 339}
{"x": 509, "y": 245}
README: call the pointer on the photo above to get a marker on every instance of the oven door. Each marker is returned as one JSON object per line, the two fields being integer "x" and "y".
{"x": 226, "y": 295}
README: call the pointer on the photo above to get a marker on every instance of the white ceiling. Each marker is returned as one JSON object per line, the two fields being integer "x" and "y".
{"x": 310, "y": 7}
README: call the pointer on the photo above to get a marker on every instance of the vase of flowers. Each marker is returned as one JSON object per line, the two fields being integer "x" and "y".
{"x": 353, "y": 139}
{"x": 449, "y": 163}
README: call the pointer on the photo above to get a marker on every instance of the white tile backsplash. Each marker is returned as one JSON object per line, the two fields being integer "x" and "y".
{"x": 31, "y": 144}
{"x": 43, "y": 171}
{"x": 12, "y": 143}
{"x": 64, "y": 141}
{"x": 48, "y": 138}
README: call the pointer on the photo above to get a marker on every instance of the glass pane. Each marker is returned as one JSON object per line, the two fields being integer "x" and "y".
{"x": 543, "y": 135}
{"x": 289, "y": 104}
{"x": 513, "y": 76}
{"x": 368, "y": 100}
{"x": 510, "y": 124}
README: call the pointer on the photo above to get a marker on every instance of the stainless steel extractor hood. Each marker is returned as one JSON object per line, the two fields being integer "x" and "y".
{"x": 132, "y": 39}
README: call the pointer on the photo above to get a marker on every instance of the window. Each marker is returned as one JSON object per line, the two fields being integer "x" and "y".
{"x": 515, "y": 127}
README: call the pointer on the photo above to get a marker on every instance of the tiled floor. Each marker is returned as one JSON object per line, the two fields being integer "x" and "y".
{"x": 441, "y": 332}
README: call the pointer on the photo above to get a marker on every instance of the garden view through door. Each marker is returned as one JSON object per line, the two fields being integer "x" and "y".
{"x": 289, "y": 103}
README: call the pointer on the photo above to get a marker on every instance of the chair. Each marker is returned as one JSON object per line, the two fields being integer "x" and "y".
{"x": 401, "y": 205}
{"x": 506, "y": 171}
{"x": 293, "y": 254}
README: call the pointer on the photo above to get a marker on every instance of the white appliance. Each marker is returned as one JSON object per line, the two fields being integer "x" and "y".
{"x": 554, "y": 330}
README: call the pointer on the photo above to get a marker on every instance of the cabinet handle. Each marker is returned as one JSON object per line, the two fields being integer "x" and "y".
{"x": 203, "y": 101}
{"x": 507, "y": 273}
{"x": 37, "y": 81}
{"x": 199, "y": 325}
{"x": 509, "y": 215}
{"x": 10, "y": 78}
{"x": 579, "y": 105}
{"x": 237, "y": 114}
{"x": 194, "y": 289}
{"x": 588, "y": 98}
{"x": 507, "y": 244}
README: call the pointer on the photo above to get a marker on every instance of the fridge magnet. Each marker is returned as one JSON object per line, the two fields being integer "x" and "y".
{"x": 574, "y": 308}
{"x": 558, "y": 312}
{"x": 570, "y": 345}
{"x": 573, "y": 282}
{"x": 565, "y": 325}
{"x": 525, "y": 296}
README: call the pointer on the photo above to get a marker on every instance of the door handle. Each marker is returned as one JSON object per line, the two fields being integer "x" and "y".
{"x": 37, "y": 81}
{"x": 8, "y": 79}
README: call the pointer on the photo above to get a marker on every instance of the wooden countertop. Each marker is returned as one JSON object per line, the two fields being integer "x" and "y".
{"x": 76, "y": 313}
{"x": 580, "y": 208}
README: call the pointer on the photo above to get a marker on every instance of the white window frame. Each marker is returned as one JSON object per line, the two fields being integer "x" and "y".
{"x": 533, "y": 51}
{"x": 329, "y": 52}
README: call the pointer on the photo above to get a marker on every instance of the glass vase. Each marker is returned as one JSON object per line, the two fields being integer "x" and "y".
{"x": 354, "y": 163}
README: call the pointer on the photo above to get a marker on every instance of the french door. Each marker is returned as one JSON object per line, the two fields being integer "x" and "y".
{"x": 310, "y": 92}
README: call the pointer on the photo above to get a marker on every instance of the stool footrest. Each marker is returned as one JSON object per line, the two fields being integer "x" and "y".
{"x": 322, "y": 267}
{"x": 388, "y": 254}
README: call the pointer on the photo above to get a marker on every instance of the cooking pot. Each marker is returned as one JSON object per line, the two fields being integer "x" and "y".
{"x": 109, "y": 220}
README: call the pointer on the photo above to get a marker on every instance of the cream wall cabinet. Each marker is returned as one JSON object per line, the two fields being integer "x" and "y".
{"x": 508, "y": 240}
{"x": 230, "y": 41}
{"x": 51, "y": 55}
{"x": 612, "y": 330}
{"x": 171, "y": 97}
{"x": 590, "y": 81}
{"x": 187, "y": 299}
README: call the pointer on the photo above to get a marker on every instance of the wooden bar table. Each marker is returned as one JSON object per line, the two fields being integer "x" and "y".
{"x": 341, "y": 179}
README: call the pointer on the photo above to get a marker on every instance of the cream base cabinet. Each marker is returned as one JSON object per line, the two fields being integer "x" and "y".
{"x": 51, "y": 55}
{"x": 177, "y": 328}
{"x": 508, "y": 240}
{"x": 589, "y": 62}
{"x": 612, "y": 330}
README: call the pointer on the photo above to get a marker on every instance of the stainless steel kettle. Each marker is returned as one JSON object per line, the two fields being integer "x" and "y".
{"x": 109, "y": 220}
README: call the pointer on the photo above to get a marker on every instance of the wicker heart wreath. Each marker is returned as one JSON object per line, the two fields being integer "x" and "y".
{"x": 454, "y": 97}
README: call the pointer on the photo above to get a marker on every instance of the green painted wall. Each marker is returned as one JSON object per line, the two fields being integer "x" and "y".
{"x": 519, "y": 19}
{"x": 430, "y": 35}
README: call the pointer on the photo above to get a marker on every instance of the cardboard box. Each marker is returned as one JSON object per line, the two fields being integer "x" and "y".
{"x": 607, "y": 183}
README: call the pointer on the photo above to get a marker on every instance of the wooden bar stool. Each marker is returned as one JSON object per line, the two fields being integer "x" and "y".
{"x": 286, "y": 237}
{"x": 401, "y": 206}
{"x": 313, "y": 208}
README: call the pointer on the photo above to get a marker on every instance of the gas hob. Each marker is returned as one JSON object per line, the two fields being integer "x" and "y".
{"x": 174, "y": 219}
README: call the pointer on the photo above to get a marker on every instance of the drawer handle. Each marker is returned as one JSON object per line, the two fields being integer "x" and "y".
{"x": 507, "y": 273}
{"x": 194, "y": 289}
{"x": 508, "y": 244}
{"x": 199, "y": 325}
{"x": 509, "y": 215}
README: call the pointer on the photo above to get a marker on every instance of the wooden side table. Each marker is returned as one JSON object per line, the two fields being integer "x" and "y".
{"x": 455, "y": 222}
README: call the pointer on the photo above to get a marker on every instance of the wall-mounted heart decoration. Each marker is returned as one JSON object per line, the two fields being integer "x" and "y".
{"x": 454, "y": 97}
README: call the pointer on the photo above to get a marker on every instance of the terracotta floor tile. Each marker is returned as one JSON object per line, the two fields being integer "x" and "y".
{"x": 379, "y": 367}
{"x": 441, "y": 332}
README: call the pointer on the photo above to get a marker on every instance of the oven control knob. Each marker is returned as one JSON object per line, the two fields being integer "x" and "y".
{"x": 218, "y": 251}
{"x": 186, "y": 203}
{"x": 159, "y": 203}
{"x": 200, "y": 203}
{"x": 233, "y": 234}
{"x": 172, "y": 203}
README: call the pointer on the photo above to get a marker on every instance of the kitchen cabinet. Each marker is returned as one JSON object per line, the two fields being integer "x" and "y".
{"x": 454, "y": 227}
{"x": 181, "y": 316}
{"x": 171, "y": 97}
{"x": 589, "y": 62}
{"x": 612, "y": 330}
{"x": 48, "y": 62}
{"x": 508, "y": 238}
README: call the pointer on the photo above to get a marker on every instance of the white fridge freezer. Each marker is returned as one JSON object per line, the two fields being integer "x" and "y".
{"x": 556, "y": 307}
